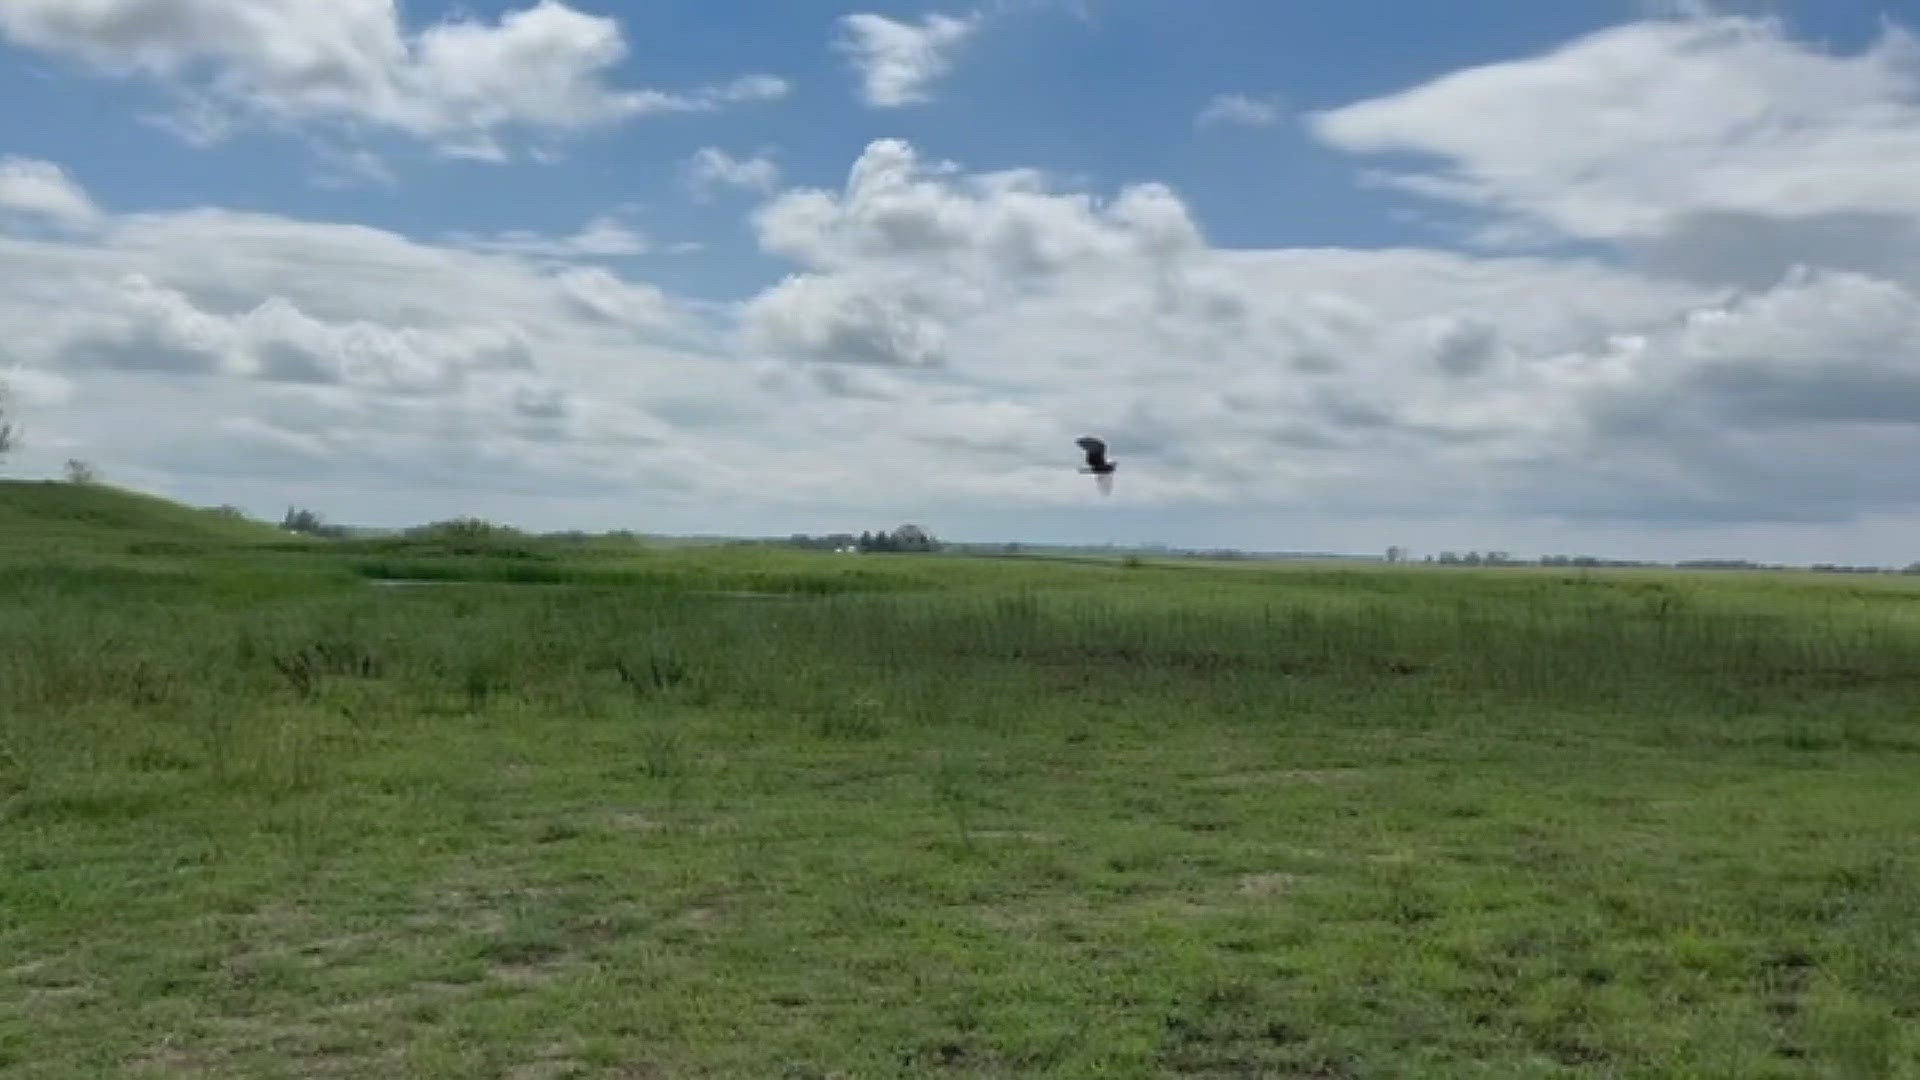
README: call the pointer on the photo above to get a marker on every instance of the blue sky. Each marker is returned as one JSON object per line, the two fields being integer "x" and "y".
{"x": 1491, "y": 274}
{"x": 1104, "y": 91}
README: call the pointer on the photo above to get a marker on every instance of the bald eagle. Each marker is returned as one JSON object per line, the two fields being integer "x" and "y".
{"x": 1097, "y": 462}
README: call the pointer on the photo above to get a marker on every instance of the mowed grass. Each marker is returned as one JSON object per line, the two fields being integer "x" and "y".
{"x": 727, "y": 813}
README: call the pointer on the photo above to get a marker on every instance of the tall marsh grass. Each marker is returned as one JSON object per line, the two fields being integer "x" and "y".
{"x": 130, "y": 649}
{"x": 746, "y": 814}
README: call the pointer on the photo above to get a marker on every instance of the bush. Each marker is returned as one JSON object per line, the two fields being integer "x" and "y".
{"x": 466, "y": 529}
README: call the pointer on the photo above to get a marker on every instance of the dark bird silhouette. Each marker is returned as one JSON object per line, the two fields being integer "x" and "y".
{"x": 1097, "y": 462}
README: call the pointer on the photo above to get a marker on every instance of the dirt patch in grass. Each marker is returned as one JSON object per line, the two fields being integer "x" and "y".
{"x": 556, "y": 1062}
{"x": 311, "y": 1048}
{"x": 630, "y": 821}
{"x": 527, "y": 975}
{"x": 1269, "y": 885}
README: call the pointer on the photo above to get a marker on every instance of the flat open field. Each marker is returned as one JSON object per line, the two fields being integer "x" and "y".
{"x": 594, "y": 810}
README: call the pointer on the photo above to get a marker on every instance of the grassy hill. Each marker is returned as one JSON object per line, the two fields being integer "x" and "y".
{"x": 58, "y": 517}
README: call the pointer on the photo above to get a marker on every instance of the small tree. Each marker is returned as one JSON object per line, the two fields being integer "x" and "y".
{"x": 912, "y": 538}
{"x": 8, "y": 432}
{"x": 301, "y": 520}
{"x": 79, "y": 472}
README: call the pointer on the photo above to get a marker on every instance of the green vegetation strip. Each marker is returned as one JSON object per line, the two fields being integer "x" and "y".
{"x": 925, "y": 817}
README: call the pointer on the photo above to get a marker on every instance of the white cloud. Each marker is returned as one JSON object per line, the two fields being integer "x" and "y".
{"x": 907, "y": 248}
{"x": 746, "y": 88}
{"x": 253, "y": 348}
{"x": 461, "y": 84}
{"x": 349, "y": 166}
{"x": 1681, "y": 9}
{"x": 848, "y": 318}
{"x": 41, "y": 191}
{"x": 944, "y": 337}
{"x": 711, "y": 167}
{"x": 1365, "y": 383}
{"x": 896, "y": 208}
{"x": 944, "y": 334}
{"x": 605, "y": 236}
{"x": 1779, "y": 405}
{"x": 897, "y": 60}
{"x": 1626, "y": 133}
{"x": 139, "y": 325}
{"x": 1239, "y": 109}
{"x": 601, "y": 295}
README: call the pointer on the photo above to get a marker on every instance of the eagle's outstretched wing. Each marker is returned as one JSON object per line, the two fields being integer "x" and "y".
{"x": 1096, "y": 450}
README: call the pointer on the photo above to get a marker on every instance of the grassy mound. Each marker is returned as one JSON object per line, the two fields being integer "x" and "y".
{"x": 61, "y": 518}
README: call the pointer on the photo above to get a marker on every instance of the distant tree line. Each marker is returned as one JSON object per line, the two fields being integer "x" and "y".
{"x": 829, "y": 542}
{"x": 904, "y": 538}
{"x": 1588, "y": 561}
{"x": 1500, "y": 558}
{"x": 463, "y": 529}
{"x": 1471, "y": 558}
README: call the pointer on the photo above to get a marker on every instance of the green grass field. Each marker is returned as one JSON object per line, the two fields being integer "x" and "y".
{"x": 579, "y": 809}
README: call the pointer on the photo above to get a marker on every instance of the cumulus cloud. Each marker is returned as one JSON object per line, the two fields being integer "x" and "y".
{"x": 601, "y": 295}
{"x": 195, "y": 341}
{"x": 1631, "y": 131}
{"x": 1782, "y": 405}
{"x": 941, "y": 335}
{"x": 944, "y": 335}
{"x": 1373, "y": 382}
{"x": 461, "y": 84}
{"x": 41, "y": 192}
{"x": 1117, "y": 313}
{"x": 711, "y": 168}
{"x": 897, "y": 209}
{"x": 847, "y": 319}
{"x": 907, "y": 248}
{"x": 144, "y": 326}
{"x": 897, "y": 60}
{"x": 1241, "y": 109}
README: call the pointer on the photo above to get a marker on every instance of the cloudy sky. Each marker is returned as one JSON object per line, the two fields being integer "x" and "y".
{"x": 1597, "y": 276}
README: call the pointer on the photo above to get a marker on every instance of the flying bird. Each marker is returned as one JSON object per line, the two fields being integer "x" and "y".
{"x": 1097, "y": 462}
